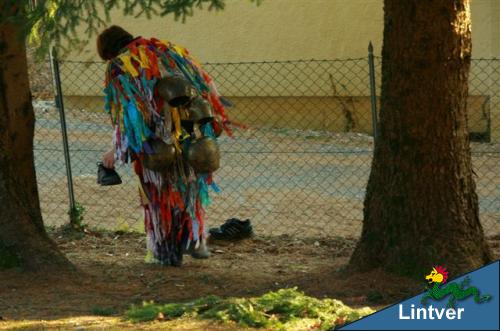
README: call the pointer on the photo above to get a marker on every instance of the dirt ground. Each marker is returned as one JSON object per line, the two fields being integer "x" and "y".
{"x": 112, "y": 275}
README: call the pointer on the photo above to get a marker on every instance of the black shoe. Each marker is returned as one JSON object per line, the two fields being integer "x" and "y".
{"x": 107, "y": 176}
{"x": 232, "y": 229}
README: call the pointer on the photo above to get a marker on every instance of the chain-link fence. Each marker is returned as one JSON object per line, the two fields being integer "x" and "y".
{"x": 300, "y": 168}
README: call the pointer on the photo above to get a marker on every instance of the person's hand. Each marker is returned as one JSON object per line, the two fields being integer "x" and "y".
{"x": 108, "y": 159}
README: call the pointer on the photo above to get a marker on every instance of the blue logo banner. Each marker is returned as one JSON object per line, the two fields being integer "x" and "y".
{"x": 474, "y": 305}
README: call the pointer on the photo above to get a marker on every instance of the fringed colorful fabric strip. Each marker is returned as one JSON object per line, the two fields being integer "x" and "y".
{"x": 174, "y": 201}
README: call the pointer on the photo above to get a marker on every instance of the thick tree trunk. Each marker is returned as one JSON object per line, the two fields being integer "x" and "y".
{"x": 23, "y": 240}
{"x": 421, "y": 208}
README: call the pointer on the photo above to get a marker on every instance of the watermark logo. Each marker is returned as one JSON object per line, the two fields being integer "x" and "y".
{"x": 438, "y": 290}
{"x": 455, "y": 292}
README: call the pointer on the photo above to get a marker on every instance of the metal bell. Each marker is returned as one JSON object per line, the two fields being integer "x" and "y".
{"x": 203, "y": 155}
{"x": 176, "y": 90}
{"x": 200, "y": 110}
{"x": 162, "y": 158}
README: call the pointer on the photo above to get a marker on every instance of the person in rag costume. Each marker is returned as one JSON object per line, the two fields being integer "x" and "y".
{"x": 166, "y": 115}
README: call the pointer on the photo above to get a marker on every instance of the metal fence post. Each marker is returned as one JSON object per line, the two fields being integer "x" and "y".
{"x": 54, "y": 62}
{"x": 373, "y": 91}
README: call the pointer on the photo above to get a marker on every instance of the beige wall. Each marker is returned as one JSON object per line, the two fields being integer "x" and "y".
{"x": 335, "y": 114}
{"x": 276, "y": 30}
{"x": 292, "y": 29}
{"x": 289, "y": 30}
{"x": 483, "y": 28}
{"x": 495, "y": 77}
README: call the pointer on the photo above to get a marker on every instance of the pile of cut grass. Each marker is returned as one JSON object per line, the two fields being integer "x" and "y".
{"x": 285, "y": 309}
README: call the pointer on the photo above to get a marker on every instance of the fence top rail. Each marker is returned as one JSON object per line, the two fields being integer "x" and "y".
{"x": 243, "y": 62}
{"x": 278, "y": 61}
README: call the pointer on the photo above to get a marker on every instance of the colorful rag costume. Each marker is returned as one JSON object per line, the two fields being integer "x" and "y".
{"x": 174, "y": 199}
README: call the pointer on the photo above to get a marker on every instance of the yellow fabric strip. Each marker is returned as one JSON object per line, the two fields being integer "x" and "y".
{"x": 176, "y": 118}
{"x": 144, "y": 58}
{"x": 127, "y": 63}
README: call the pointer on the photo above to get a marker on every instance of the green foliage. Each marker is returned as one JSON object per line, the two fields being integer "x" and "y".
{"x": 49, "y": 23}
{"x": 123, "y": 226}
{"x": 76, "y": 216}
{"x": 285, "y": 309}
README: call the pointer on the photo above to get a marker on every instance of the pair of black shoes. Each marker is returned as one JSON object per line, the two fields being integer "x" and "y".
{"x": 232, "y": 229}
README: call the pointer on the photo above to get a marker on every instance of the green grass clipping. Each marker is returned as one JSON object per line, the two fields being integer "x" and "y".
{"x": 285, "y": 309}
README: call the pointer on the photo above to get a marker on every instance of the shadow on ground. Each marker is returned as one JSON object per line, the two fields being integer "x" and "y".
{"x": 113, "y": 275}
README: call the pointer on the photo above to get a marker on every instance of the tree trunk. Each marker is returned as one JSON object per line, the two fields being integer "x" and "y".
{"x": 23, "y": 240}
{"x": 421, "y": 208}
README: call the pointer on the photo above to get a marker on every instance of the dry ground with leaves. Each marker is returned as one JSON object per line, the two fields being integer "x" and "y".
{"x": 112, "y": 275}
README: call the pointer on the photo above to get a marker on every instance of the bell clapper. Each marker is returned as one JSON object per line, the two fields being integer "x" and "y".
{"x": 196, "y": 131}
{"x": 167, "y": 117}
{"x": 184, "y": 113}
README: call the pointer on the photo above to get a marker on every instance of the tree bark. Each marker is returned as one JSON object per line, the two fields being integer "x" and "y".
{"x": 421, "y": 207}
{"x": 23, "y": 240}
